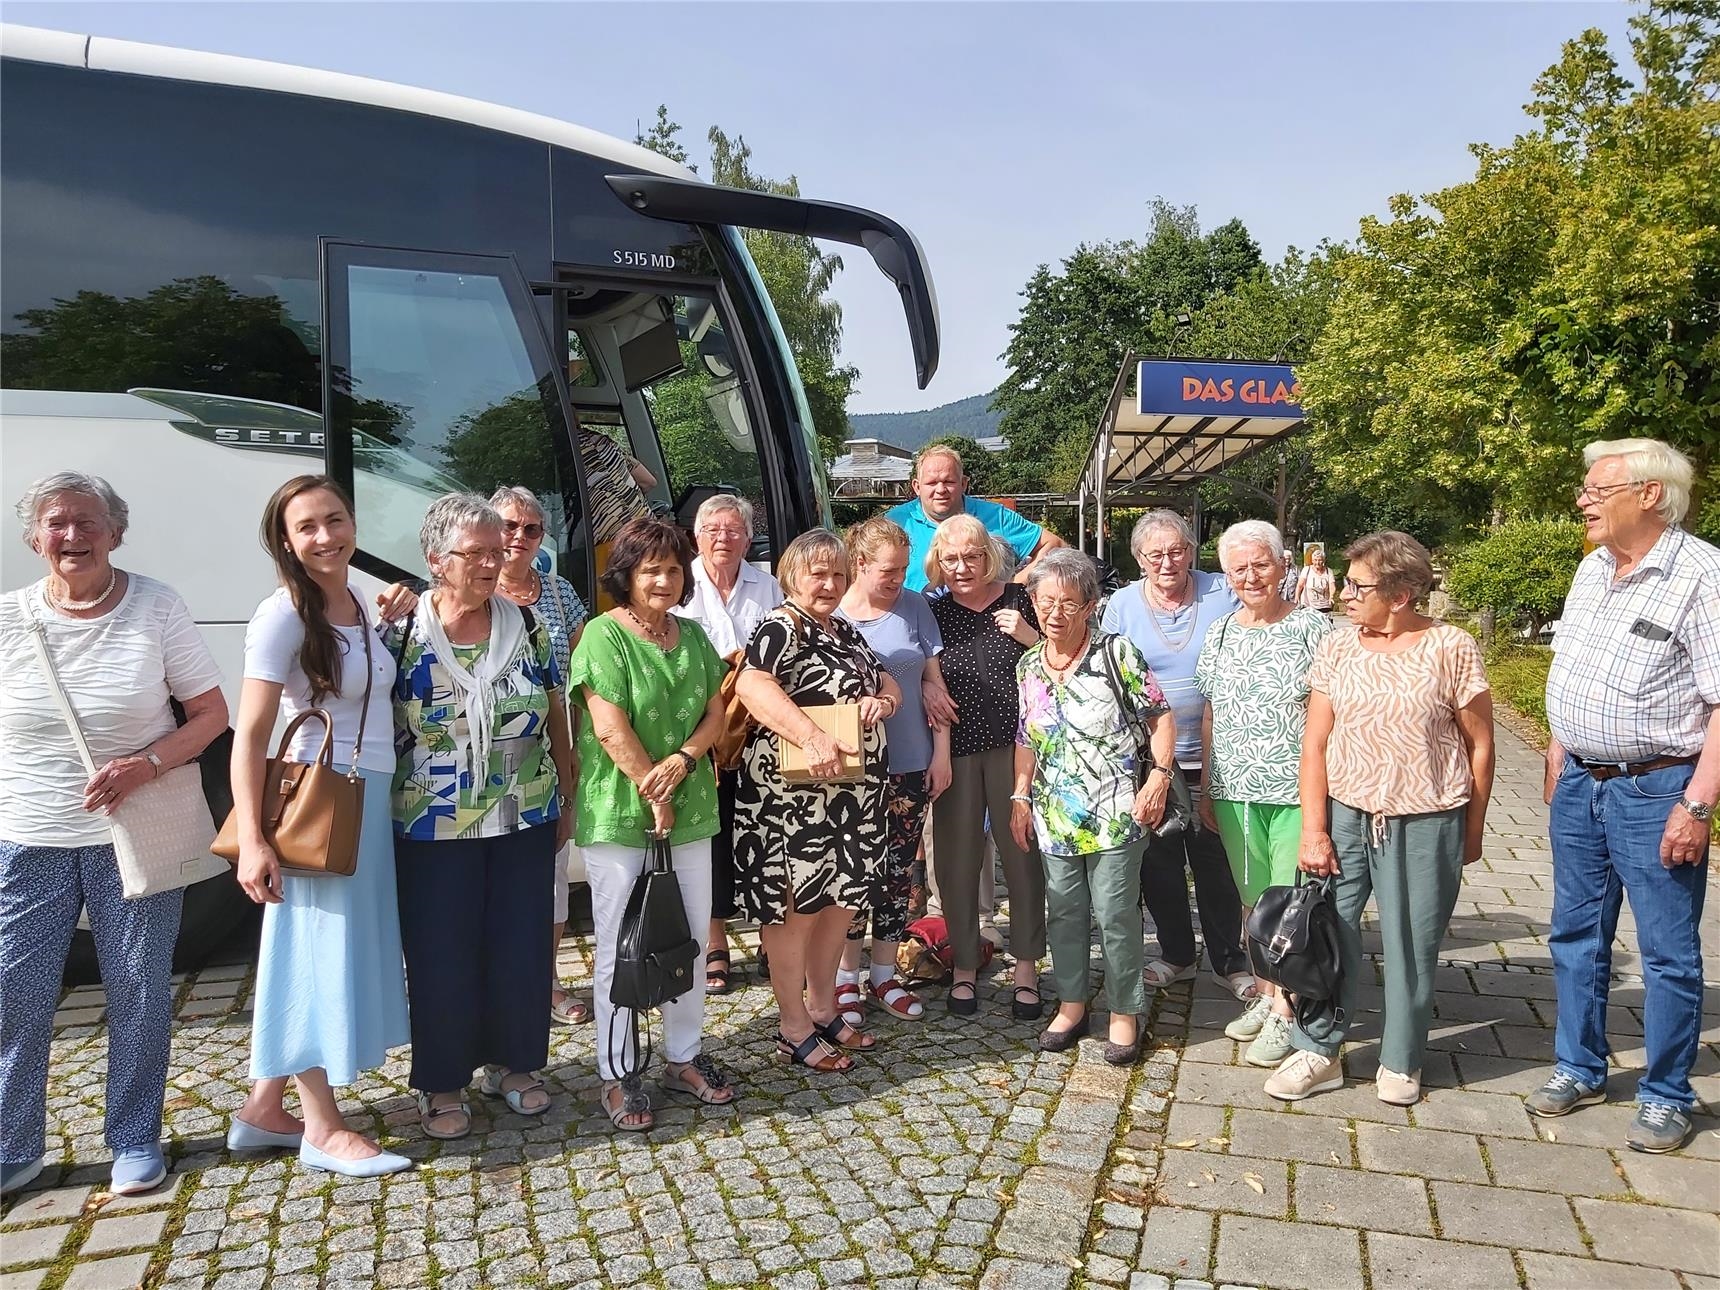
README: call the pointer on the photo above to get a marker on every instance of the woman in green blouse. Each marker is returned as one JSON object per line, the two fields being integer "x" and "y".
{"x": 647, "y": 681}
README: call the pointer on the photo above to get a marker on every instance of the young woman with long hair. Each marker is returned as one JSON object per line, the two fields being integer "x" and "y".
{"x": 331, "y": 994}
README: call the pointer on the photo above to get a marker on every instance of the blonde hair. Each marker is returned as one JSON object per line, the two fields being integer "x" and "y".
{"x": 867, "y": 538}
{"x": 955, "y": 529}
{"x": 1401, "y": 565}
{"x": 801, "y": 554}
{"x": 938, "y": 450}
{"x": 1650, "y": 461}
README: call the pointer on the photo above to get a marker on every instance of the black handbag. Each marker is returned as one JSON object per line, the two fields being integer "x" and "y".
{"x": 655, "y": 952}
{"x": 1179, "y": 806}
{"x": 1293, "y": 942}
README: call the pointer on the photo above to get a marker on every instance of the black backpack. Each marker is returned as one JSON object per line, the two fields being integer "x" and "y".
{"x": 1293, "y": 943}
{"x": 655, "y": 952}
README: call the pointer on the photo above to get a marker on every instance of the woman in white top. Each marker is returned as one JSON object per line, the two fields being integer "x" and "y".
{"x": 1317, "y": 587}
{"x": 122, "y": 645}
{"x": 331, "y": 990}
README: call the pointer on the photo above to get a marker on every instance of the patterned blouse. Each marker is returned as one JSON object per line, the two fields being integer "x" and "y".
{"x": 1256, "y": 679}
{"x": 434, "y": 796}
{"x": 1084, "y": 778}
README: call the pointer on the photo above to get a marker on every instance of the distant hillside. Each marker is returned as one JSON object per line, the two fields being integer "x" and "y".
{"x": 911, "y": 429}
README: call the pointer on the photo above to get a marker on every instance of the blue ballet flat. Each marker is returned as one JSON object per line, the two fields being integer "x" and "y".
{"x": 242, "y": 1135}
{"x": 383, "y": 1162}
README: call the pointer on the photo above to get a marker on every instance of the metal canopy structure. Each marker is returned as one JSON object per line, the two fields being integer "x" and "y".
{"x": 1172, "y": 422}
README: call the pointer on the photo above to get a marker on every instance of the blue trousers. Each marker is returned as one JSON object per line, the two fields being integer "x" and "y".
{"x": 41, "y": 891}
{"x": 1606, "y": 845}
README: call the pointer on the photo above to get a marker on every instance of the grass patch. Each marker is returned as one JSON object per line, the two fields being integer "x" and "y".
{"x": 1518, "y": 675}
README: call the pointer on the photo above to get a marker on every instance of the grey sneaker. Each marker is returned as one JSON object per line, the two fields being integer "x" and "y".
{"x": 1658, "y": 1128}
{"x": 1562, "y": 1094}
{"x": 1252, "y": 1019}
{"x": 1272, "y": 1045}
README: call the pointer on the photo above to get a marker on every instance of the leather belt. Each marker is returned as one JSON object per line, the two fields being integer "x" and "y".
{"x": 1613, "y": 769}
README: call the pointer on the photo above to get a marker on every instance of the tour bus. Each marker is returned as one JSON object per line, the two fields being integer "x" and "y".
{"x": 217, "y": 272}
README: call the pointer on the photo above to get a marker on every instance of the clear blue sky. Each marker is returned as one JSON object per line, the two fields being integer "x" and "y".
{"x": 1002, "y": 134}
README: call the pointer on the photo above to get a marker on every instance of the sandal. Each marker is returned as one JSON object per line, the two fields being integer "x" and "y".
{"x": 843, "y": 1035}
{"x": 635, "y": 1105}
{"x": 848, "y": 1005}
{"x": 428, "y": 1113}
{"x": 568, "y": 1010}
{"x": 1029, "y": 1009}
{"x": 491, "y": 1086}
{"x": 713, "y": 1088}
{"x": 813, "y": 1053}
{"x": 897, "y": 998}
{"x": 963, "y": 1005}
{"x": 1158, "y": 974}
{"x": 718, "y": 967}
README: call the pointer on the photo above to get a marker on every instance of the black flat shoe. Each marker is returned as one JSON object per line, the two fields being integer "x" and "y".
{"x": 1058, "y": 1041}
{"x": 1125, "y": 1054}
{"x": 763, "y": 966}
{"x": 1030, "y": 1009}
{"x": 963, "y": 1005}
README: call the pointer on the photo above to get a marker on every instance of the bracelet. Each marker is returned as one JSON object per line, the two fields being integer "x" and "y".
{"x": 1021, "y": 797}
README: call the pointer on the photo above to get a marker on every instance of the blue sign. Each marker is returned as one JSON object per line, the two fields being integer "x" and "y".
{"x": 1184, "y": 388}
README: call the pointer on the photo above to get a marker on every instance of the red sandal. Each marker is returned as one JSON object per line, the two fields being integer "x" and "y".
{"x": 896, "y": 998}
{"x": 848, "y": 1004}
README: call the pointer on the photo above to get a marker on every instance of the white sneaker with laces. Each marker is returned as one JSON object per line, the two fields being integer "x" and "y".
{"x": 1302, "y": 1074}
{"x": 1252, "y": 1019}
{"x": 1272, "y": 1045}
{"x": 1397, "y": 1089}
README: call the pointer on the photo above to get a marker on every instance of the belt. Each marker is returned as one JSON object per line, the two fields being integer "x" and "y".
{"x": 1613, "y": 769}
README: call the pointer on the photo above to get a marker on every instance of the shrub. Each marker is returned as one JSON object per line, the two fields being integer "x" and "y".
{"x": 1521, "y": 569}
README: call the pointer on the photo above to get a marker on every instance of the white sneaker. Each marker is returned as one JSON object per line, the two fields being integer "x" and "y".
{"x": 1252, "y": 1019}
{"x": 1304, "y": 1073}
{"x": 1272, "y": 1045}
{"x": 1398, "y": 1090}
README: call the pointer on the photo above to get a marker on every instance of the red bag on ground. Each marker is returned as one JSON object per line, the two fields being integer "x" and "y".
{"x": 924, "y": 956}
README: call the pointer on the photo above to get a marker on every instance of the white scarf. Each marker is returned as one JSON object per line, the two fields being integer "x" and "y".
{"x": 477, "y": 690}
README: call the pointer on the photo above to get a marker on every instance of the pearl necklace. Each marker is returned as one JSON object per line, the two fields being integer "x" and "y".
{"x": 535, "y": 595}
{"x": 78, "y": 606}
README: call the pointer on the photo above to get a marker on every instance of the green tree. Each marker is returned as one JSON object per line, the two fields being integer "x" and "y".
{"x": 1523, "y": 568}
{"x": 506, "y": 443}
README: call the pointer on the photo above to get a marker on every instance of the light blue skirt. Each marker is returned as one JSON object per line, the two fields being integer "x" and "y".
{"x": 331, "y": 983}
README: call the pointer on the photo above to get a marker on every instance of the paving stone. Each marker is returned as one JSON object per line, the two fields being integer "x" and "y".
{"x": 1037, "y": 1224}
{"x": 1557, "y": 1272}
{"x": 1423, "y": 1152}
{"x": 1177, "y": 1241}
{"x": 1357, "y": 1198}
{"x": 128, "y": 1232}
{"x": 1524, "y": 1220}
{"x": 30, "y": 1280}
{"x": 33, "y": 1207}
{"x": 108, "y": 1274}
{"x": 1652, "y": 1237}
{"x": 1296, "y": 1256}
{"x": 1673, "y": 1179}
{"x": 33, "y": 1244}
{"x": 1414, "y": 1263}
{"x": 1466, "y": 1111}
{"x": 1550, "y": 1166}
{"x": 1285, "y": 1135}
{"x": 1013, "y": 1274}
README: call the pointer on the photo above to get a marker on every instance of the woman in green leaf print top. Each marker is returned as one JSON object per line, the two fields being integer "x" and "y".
{"x": 1077, "y": 786}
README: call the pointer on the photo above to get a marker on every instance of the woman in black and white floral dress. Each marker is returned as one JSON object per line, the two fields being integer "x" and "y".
{"x": 808, "y": 855}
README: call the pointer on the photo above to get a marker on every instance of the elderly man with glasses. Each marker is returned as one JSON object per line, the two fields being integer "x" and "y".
{"x": 1633, "y": 769}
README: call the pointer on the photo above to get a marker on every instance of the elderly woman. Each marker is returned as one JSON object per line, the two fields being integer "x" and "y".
{"x": 729, "y": 597}
{"x": 1400, "y": 827}
{"x": 1080, "y": 786}
{"x": 122, "y": 645}
{"x": 479, "y": 810}
{"x": 1316, "y": 588}
{"x": 1167, "y": 615}
{"x": 552, "y": 599}
{"x": 986, "y": 624}
{"x": 899, "y": 626}
{"x": 331, "y": 995}
{"x": 808, "y": 855}
{"x": 1253, "y": 671}
{"x": 648, "y": 684}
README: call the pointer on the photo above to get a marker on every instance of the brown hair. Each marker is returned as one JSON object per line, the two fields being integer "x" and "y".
{"x": 640, "y": 539}
{"x": 792, "y": 564}
{"x": 320, "y": 654}
{"x": 1401, "y": 565}
{"x": 867, "y": 538}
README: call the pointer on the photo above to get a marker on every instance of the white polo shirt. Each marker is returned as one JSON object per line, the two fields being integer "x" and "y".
{"x": 729, "y": 623}
{"x": 1636, "y": 661}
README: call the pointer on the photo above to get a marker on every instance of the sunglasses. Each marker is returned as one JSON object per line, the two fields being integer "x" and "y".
{"x": 518, "y": 526}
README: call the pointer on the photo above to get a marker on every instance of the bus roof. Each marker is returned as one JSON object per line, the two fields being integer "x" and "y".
{"x": 105, "y": 54}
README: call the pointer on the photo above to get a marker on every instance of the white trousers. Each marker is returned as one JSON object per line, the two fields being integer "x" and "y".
{"x": 611, "y": 871}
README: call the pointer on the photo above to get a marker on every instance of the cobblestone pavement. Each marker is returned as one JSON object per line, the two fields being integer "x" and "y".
{"x": 956, "y": 1155}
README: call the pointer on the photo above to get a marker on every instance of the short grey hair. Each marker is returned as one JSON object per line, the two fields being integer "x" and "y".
{"x": 1650, "y": 461}
{"x": 44, "y": 490}
{"x": 516, "y": 495}
{"x": 725, "y": 503}
{"x": 1160, "y": 519}
{"x": 449, "y": 516}
{"x": 1251, "y": 533}
{"x": 1074, "y": 569}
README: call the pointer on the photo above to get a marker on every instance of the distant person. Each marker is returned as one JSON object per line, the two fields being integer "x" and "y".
{"x": 1633, "y": 769}
{"x": 1317, "y": 587}
{"x": 940, "y": 491}
{"x": 1288, "y": 583}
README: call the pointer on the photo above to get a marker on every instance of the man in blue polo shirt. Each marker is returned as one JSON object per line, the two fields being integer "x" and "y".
{"x": 940, "y": 491}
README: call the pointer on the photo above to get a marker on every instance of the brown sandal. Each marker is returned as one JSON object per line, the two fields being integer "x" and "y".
{"x": 813, "y": 1053}
{"x": 713, "y": 1088}
{"x": 840, "y": 1034}
{"x": 634, "y": 1104}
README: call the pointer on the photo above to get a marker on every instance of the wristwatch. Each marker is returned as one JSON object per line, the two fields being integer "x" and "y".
{"x": 1699, "y": 811}
{"x": 691, "y": 761}
{"x": 150, "y": 757}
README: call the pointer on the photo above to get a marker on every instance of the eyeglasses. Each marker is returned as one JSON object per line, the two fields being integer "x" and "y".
{"x": 959, "y": 560}
{"x": 1359, "y": 589}
{"x": 723, "y": 531}
{"x": 483, "y": 555}
{"x": 520, "y": 526}
{"x": 1153, "y": 558}
{"x": 1066, "y": 608}
{"x": 1600, "y": 492}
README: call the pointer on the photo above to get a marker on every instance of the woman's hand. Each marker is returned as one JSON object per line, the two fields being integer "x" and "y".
{"x": 394, "y": 603}
{"x": 260, "y": 873}
{"x": 664, "y": 778}
{"x": 1208, "y": 816}
{"x": 939, "y": 775}
{"x": 1317, "y": 855}
{"x": 662, "y": 817}
{"x": 110, "y": 785}
{"x": 1014, "y": 625}
{"x": 1148, "y": 807}
{"x": 940, "y": 707}
{"x": 1021, "y": 824}
{"x": 873, "y": 709}
{"x": 824, "y": 753}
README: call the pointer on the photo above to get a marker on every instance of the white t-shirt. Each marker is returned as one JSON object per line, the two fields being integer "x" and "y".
{"x": 119, "y": 670}
{"x": 272, "y": 643}
{"x": 730, "y": 623}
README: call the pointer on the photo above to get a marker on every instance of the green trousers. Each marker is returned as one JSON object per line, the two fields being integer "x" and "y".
{"x": 1412, "y": 865}
{"x": 1102, "y": 887}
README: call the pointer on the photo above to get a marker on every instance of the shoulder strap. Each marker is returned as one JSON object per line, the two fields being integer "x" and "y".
{"x": 1114, "y": 675}
{"x": 39, "y": 641}
{"x": 369, "y": 680}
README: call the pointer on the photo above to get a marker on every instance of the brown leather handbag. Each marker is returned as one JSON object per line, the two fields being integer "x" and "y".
{"x": 737, "y": 721}
{"x": 311, "y": 812}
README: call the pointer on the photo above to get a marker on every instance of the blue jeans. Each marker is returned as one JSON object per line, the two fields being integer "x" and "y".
{"x": 1606, "y": 845}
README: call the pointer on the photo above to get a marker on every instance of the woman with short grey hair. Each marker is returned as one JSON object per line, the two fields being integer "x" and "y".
{"x": 480, "y": 809}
